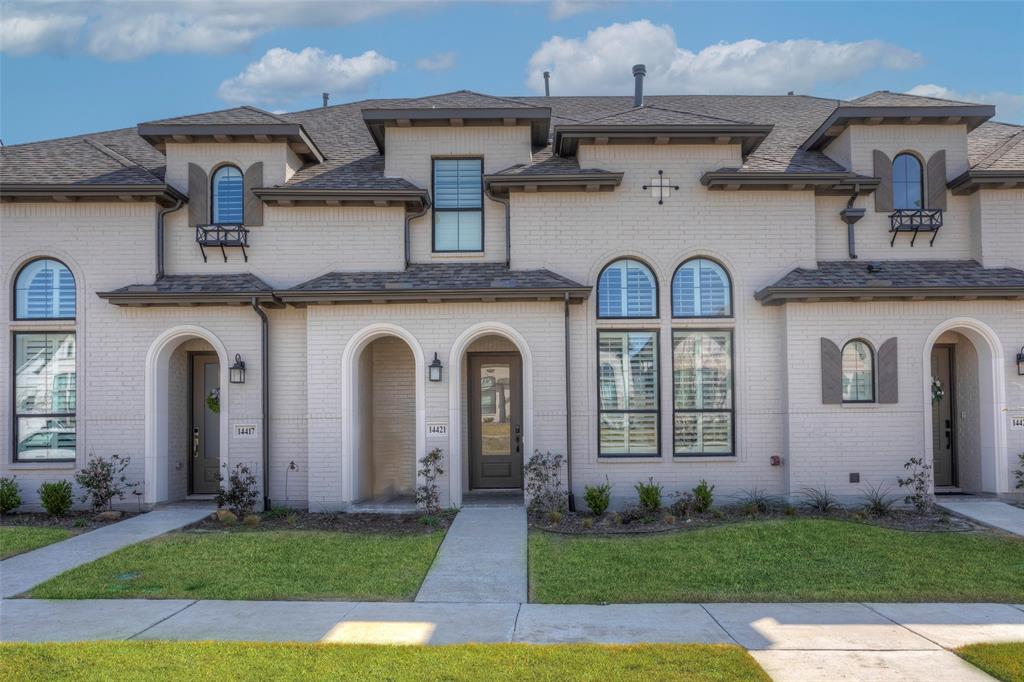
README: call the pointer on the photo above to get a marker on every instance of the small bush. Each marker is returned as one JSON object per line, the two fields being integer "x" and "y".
{"x": 685, "y": 504}
{"x": 789, "y": 510}
{"x": 428, "y": 494}
{"x": 1019, "y": 473}
{"x": 251, "y": 520}
{"x": 277, "y": 513}
{"x": 554, "y": 517}
{"x": 703, "y": 497}
{"x": 587, "y": 522}
{"x": 920, "y": 484}
{"x": 822, "y": 501}
{"x": 878, "y": 501}
{"x": 598, "y": 497}
{"x": 10, "y": 494}
{"x": 668, "y": 519}
{"x": 617, "y": 519}
{"x": 103, "y": 480}
{"x": 56, "y": 497}
{"x": 649, "y": 495}
{"x": 544, "y": 482}
{"x": 758, "y": 501}
{"x": 240, "y": 495}
{"x": 80, "y": 522}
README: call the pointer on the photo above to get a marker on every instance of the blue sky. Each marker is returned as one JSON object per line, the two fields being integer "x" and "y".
{"x": 85, "y": 65}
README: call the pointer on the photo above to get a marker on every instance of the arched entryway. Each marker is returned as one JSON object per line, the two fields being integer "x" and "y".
{"x": 186, "y": 414}
{"x": 383, "y": 415}
{"x": 964, "y": 383}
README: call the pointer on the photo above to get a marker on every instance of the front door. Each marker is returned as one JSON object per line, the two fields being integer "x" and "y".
{"x": 204, "y": 425}
{"x": 495, "y": 421}
{"x": 943, "y": 417}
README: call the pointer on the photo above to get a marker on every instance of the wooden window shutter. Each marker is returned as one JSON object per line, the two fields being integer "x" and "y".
{"x": 198, "y": 196}
{"x": 888, "y": 372}
{"x": 883, "y": 171}
{"x": 253, "y": 207}
{"x": 936, "y": 180}
{"x": 831, "y": 373}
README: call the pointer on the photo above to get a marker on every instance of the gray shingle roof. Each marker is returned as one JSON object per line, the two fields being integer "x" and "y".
{"x": 649, "y": 114}
{"x": 545, "y": 163}
{"x": 900, "y": 274}
{"x": 117, "y": 157}
{"x": 234, "y": 116}
{"x": 240, "y": 283}
{"x": 460, "y": 99}
{"x": 439, "y": 277}
{"x": 885, "y": 98}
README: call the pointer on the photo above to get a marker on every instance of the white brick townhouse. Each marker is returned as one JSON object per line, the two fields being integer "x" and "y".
{"x": 770, "y": 291}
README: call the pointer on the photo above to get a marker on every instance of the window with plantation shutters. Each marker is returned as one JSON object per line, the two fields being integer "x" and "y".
{"x": 700, "y": 288}
{"x": 44, "y": 290}
{"x": 627, "y": 288}
{"x": 702, "y": 393}
{"x": 458, "y": 205}
{"x": 628, "y": 412}
{"x": 227, "y": 196}
{"x": 858, "y": 372}
{"x": 45, "y": 396}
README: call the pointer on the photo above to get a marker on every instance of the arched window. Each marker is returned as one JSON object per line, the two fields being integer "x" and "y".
{"x": 858, "y": 372}
{"x": 700, "y": 288}
{"x": 907, "y": 182}
{"x": 627, "y": 288}
{"x": 44, "y": 290}
{"x": 227, "y": 196}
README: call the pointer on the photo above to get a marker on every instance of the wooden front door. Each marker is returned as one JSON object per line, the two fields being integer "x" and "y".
{"x": 495, "y": 421}
{"x": 204, "y": 425}
{"x": 943, "y": 417}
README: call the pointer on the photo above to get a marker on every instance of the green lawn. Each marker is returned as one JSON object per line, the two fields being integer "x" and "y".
{"x": 779, "y": 560}
{"x": 221, "y": 661}
{"x": 277, "y": 564}
{"x": 1002, "y": 661}
{"x": 18, "y": 539}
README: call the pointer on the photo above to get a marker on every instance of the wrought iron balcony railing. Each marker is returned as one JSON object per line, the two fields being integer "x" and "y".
{"x": 915, "y": 221}
{"x": 222, "y": 236}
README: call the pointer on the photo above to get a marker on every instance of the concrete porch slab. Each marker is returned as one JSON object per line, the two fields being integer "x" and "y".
{"x": 862, "y": 666}
{"x": 36, "y": 620}
{"x": 813, "y": 626}
{"x": 955, "y": 625}
{"x": 617, "y": 624}
{"x": 412, "y": 623}
{"x": 989, "y": 512}
{"x": 254, "y": 621}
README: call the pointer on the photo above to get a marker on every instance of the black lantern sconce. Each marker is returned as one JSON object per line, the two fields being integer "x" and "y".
{"x": 236, "y": 373}
{"x": 1020, "y": 362}
{"x": 435, "y": 369}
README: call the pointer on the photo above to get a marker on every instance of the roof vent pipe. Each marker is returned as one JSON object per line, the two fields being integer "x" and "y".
{"x": 327, "y": 96}
{"x": 547, "y": 84}
{"x": 639, "y": 71}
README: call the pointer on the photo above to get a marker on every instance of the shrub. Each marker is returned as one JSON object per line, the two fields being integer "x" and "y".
{"x": 920, "y": 484}
{"x": 758, "y": 501}
{"x": 56, "y": 497}
{"x": 598, "y": 497}
{"x": 240, "y": 495}
{"x": 428, "y": 494}
{"x": 668, "y": 519}
{"x": 822, "y": 500}
{"x": 554, "y": 517}
{"x": 1019, "y": 473}
{"x": 649, "y": 494}
{"x": 544, "y": 482}
{"x": 684, "y": 504}
{"x": 278, "y": 513}
{"x": 703, "y": 496}
{"x": 10, "y": 494}
{"x": 103, "y": 480}
{"x": 587, "y": 522}
{"x": 877, "y": 500}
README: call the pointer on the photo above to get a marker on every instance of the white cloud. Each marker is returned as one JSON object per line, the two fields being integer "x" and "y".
{"x": 600, "y": 63}
{"x": 127, "y": 29}
{"x": 441, "y": 61}
{"x": 23, "y": 34}
{"x": 282, "y": 75}
{"x": 563, "y": 9}
{"x": 1009, "y": 106}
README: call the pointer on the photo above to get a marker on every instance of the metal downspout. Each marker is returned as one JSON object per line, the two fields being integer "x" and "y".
{"x": 409, "y": 217}
{"x": 178, "y": 203}
{"x": 508, "y": 225}
{"x": 568, "y": 411}
{"x": 265, "y": 397}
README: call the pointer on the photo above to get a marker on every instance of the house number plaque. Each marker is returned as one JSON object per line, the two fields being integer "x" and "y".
{"x": 437, "y": 429}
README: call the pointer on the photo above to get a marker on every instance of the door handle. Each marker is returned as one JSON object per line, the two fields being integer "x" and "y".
{"x": 519, "y": 437}
{"x": 948, "y": 435}
{"x": 195, "y": 441}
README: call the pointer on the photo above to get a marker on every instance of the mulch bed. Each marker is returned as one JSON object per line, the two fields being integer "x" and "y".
{"x": 634, "y": 522}
{"x": 77, "y": 521}
{"x": 337, "y": 521}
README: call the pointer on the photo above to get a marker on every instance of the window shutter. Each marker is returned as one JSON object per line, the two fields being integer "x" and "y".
{"x": 936, "y": 175}
{"x": 831, "y": 373}
{"x": 888, "y": 372}
{"x": 198, "y": 196}
{"x": 253, "y": 207}
{"x": 883, "y": 171}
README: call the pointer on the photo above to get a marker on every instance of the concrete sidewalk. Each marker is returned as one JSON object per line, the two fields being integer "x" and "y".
{"x": 24, "y": 571}
{"x": 793, "y": 642}
{"x": 989, "y": 512}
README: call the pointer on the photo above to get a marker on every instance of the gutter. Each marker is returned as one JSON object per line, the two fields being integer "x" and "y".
{"x": 264, "y": 397}
{"x": 160, "y": 236}
{"x": 779, "y": 296}
{"x": 507, "y": 203}
{"x": 409, "y": 217}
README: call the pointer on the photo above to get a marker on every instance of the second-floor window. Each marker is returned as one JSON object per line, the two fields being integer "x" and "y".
{"x": 227, "y": 196}
{"x": 458, "y": 205}
{"x": 907, "y": 182}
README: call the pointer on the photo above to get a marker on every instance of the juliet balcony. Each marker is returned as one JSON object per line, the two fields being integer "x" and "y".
{"x": 222, "y": 236}
{"x": 915, "y": 221}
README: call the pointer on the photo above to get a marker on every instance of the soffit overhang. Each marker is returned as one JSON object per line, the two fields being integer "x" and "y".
{"x": 569, "y": 137}
{"x": 972, "y": 115}
{"x": 537, "y": 118}
{"x": 164, "y": 195}
{"x": 293, "y": 134}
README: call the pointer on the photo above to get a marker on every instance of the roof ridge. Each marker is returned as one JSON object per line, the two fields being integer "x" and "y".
{"x": 1005, "y": 146}
{"x": 104, "y": 149}
{"x": 908, "y": 94}
{"x": 68, "y": 138}
{"x": 263, "y": 111}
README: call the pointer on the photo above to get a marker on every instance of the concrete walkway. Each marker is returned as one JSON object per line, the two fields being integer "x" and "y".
{"x": 793, "y": 642}
{"x": 24, "y": 571}
{"x": 482, "y": 558}
{"x": 989, "y": 512}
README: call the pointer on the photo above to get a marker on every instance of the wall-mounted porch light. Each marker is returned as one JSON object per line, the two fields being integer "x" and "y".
{"x": 1020, "y": 362}
{"x": 435, "y": 369}
{"x": 236, "y": 373}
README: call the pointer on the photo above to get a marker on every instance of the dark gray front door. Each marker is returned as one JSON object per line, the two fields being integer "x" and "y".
{"x": 495, "y": 421}
{"x": 943, "y": 422}
{"x": 204, "y": 426}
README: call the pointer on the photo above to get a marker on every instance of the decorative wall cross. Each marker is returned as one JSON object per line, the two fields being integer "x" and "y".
{"x": 661, "y": 183}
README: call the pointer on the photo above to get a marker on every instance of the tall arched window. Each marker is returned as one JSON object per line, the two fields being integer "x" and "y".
{"x": 627, "y": 288}
{"x": 44, "y": 290}
{"x": 227, "y": 196}
{"x": 700, "y": 288}
{"x": 907, "y": 182}
{"x": 858, "y": 372}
